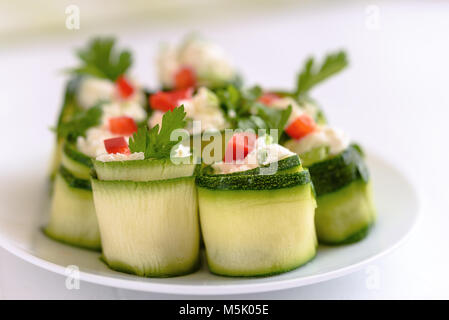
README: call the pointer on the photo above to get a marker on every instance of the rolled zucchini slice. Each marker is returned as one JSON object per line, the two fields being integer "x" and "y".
{"x": 77, "y": 163}
{"x": 148, "y": 228}
{"x": 72, "y": 214}
{"x": 143, "y": 170}
{"x": 289, "y": 164}
{"x": 345, "y": 210}
{"x": 257, "y": 225}
{"x": 69, "y": 107}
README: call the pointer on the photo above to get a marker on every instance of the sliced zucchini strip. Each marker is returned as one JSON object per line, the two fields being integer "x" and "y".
{"x": 290, "y": 164}
{"x": 150, "y": 228}
{"x": 257, "y": 225}
{"x": 143, "y": 170}
{"x": 338, "y": 171}
{"x": 345, "y": 210}
{"x": 76, "y": 162}
{"x": 346, "y": 215}
{"x": 72, "y": 214}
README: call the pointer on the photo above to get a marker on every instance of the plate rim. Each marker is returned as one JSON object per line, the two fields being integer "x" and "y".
{"x": 215, "y": 290}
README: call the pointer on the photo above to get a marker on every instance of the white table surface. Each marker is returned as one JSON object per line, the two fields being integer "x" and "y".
{"x": 394, "y": 99}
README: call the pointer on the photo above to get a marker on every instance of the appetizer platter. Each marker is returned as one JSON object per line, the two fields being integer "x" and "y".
{"x": 206, "y": 184}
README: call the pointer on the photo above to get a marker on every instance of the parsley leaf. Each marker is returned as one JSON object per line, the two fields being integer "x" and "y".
{"x": 138, "y": 142}
{"x": 237, "y": 105}
{"x": 274, "y": 118}
{"x": 156, "y": 143}
{"x": 79, "y": 124}
{"x": 243, "y": 110}
{"x": 311, "y": 74}
{"x": 101, "y": 59}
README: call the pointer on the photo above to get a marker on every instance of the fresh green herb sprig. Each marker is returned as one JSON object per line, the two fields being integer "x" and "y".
{"x": 80, "y": 122}
{"x": 102, "y": 59}
{"x": 312, "y": 74}
{"x": 155, "y": 143}
{"x": 243, "y": 110}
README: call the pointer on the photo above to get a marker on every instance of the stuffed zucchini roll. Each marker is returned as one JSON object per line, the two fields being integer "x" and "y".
{"x": 195, "y": 62}
{"x": 345, "y": 206}
{"x": 146, "y": 203}
{"x": 72, "y": 213}
{"x": 96, "y": 108}
{"x": 101, "y": 77}
{"x": 257, "y": 213}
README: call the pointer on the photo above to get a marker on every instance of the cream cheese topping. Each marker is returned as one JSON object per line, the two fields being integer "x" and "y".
{"x": 297, "y": 110}
{"x": 95, "y": 90}
{"x": 208, "y": 61}
{"x": 93, "y": 144}
{"x": 264, "y": 153}
{"x": 130, "y": 109}
{"x": 334, "y": 138}
{"x": 120, "y": 157}
{"x": 204, "y": 106}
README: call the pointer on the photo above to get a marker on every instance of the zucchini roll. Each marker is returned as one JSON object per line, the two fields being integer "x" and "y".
{"x": 97, "y": 106}
{"x": 345, "y": 210}
{"x": 146, "y": 203}
{"x": 147, "y": 216}
{"x": 254, "y": 223}
{"x": 72, "y": 213}
{"x": 341, "y": 179}
{"x": 193, "y": 63}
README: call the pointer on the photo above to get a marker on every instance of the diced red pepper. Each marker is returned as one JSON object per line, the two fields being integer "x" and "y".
{"x": 268, "y": 98}
{"x": 124, "y": 87}
{"x": 301, "y": 126}
{"x": 239, "y": 146}
{"x": 185, "y": 78}
{"x": 122, "y": 125}
{"x": 117, "y": 145}
{"x": 182, "y": 94}
{"x": 168, "y": 100}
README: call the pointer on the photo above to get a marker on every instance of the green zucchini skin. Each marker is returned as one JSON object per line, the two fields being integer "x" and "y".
{"x": 72, "y": 152}
{"x": 345, "y": 211}
{"x": 73, "y": 181}
{"x": 255, "y": 233}
{"x": 253, "y": 182}
{"x": 69, "y": 107}
{"x": 346, "y": 215}
{"x": 292, "y": 162}
{"x": 258, "y": 225}
{"x": 144, "y": 170}
{"x": 77, "y": 163}
{"x": 149, "y": 228}
{"x": 339, "y": 171}
{"x": 72, "y": 214}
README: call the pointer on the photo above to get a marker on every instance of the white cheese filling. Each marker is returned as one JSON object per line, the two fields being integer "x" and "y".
{"x": 334, "y": 138}
{"x": 93, "y": 144}
{"x": 207, "y": 60}
{"x": 130, "y": 109}
{"x": 204, "y": 107}
{"x": 95, "y": 90}
{"x": 264, "y": 153}
{"x": 297, "y": 110}
{"x": 108, "y": 157}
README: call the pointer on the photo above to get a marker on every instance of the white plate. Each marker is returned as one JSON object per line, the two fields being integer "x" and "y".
{"x": 24, "y": 201}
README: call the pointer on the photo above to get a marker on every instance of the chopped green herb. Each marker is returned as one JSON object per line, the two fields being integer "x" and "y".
{"x": 243, "y": 110}
{"x": 312, "y": 74}
{"x": 78, "y": 125}
{"x": 101, "y": 59}
{"x": 156, "y": 143}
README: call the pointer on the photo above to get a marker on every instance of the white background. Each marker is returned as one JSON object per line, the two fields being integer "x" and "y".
{"x": 394, "y": 99}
